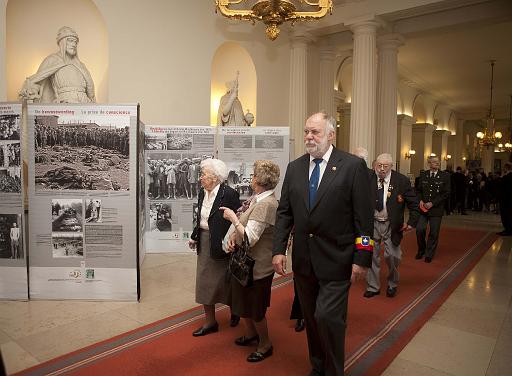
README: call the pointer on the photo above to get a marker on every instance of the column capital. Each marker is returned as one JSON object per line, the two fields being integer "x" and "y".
{"x": 299, "y": 36}
{"x": 405, "y": 120}
{"x": 423, "y": 127}
{"x": 390, "y": 41}
{"x": 326, "y": 52}
{"x": 365, "y": 26}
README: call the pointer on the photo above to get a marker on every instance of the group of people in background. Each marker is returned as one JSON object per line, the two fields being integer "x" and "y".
{"x": 328, "y": 256}
{"x": 477, "y": 191}
{"x": 172, "y": 179}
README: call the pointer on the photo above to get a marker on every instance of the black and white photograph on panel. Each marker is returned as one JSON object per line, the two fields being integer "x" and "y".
{"x": 174, "y": 175}
{"x": 10, "y": 236}
{"x": 67, "y": 244}
{"x": 77, "y": 155}
{"x": 160, "y": 216}
{"x": 240, "y": 178}
{"x": 156, "y": 141}
{"x": 179, "y": 142}
{"x": 93, "y": 212}
{"x": 10, "y": 167}
{"x": 10, "y": 127}
{"x": 67, "y": 215}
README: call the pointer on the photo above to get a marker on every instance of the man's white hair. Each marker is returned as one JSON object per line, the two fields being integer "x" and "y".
{"x": 385, "y": 157}
{"x": 361, "y": 153}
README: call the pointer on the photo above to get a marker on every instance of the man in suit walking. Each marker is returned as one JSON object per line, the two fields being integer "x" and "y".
{"x": 391, "y": 192}
{"x": 433, "y": 189}
{"x": 325, "y": 196}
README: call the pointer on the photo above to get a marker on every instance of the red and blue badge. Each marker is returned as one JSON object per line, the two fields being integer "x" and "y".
{"x": 364, "y": 243}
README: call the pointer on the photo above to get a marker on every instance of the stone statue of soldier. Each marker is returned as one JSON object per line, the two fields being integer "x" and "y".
{"x": 230, "y": 108}
{"x": 61, "y": 77}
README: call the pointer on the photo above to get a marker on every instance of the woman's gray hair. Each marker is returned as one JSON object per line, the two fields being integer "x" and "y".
{"x": 266, "y": 174}
{"x": 216, "y": 166}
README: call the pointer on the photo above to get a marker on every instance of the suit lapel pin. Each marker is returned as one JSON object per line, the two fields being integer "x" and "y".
{"x": 334, "y": 168}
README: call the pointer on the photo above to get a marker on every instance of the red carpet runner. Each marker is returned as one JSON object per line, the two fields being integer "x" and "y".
{"x": 378, "y": 328}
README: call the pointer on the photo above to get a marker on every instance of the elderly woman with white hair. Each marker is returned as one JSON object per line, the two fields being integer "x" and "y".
{"x": 212, "y": 262}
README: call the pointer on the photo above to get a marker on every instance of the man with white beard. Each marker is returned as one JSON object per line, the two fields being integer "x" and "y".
{"x": 325, "y": 196}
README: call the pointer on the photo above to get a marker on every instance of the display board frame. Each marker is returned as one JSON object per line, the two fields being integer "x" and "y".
{"x": 84, "y": 201}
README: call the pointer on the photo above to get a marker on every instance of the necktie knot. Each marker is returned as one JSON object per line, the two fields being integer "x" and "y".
{"x": 317, "y": 161}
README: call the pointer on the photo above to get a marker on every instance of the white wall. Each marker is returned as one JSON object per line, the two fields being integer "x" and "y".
{"x": 159, "y": 54}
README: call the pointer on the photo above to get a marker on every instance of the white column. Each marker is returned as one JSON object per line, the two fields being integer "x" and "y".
{"x": 422, "y": 143}
{"x": 326, "y": 82}
{"x": 404, "y": 143}
{"x": 487, "y": 158}
{"x": 297, "y": 107}
{"x": 343, "y": 132}
{"x": 364, "y": 83}
{"x": 387, "y": 82}
{"x": 459, "y": 148}
{"x": 440, "y": 146}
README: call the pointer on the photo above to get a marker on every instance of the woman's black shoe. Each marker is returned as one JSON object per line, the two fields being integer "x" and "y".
{"x": 299, "y": 325}
{"x": 246, "y": 341}
{"x": 259, "y": 356}
{"x": 204, "y": 331}
{"x": 234, "y": 320}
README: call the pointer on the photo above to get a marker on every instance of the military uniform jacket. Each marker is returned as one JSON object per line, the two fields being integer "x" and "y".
{"x": 435, "y": 190}
{"x": 400, "y": 193}
{"x": 335, "y": 233}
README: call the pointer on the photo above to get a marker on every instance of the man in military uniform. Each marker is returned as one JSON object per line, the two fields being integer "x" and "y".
{"x": 433, "y": 189}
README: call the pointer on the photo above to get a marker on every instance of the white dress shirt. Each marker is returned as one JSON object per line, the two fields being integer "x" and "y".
{"x": 207, "y": 207}
{"x": 383, "y": 214}
{"x": 323, "y": 164}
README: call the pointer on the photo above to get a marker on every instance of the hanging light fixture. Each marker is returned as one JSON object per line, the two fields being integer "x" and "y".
{"x": 273, "y": 13}
{"x": 489, "y": 137}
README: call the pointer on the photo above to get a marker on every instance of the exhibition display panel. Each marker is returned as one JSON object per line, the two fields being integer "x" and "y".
{"x": 83, "y": 201}
{"x": 13, "y": 258}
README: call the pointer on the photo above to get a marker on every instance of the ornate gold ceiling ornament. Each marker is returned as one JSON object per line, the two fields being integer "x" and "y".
{"x": 273, "y": 13}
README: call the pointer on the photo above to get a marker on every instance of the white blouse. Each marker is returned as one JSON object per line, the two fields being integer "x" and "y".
{"x": 207, "y": 207}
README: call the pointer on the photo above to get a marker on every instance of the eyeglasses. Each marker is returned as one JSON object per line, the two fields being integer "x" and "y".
{"x": 385, "y": 166}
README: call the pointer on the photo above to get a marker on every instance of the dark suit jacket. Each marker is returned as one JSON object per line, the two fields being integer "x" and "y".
{"x": 228, "y": 197}
{"x": 435, "y": 190}
{"x": 324, "y": 242}
{"x": 400, "y": 194}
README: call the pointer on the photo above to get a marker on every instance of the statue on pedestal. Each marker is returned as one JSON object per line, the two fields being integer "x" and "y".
{"x": 61, "y": 77}
{"x": 230, "y": 109}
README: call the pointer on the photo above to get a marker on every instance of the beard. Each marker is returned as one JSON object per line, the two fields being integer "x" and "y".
{"x": 315, "y": 149}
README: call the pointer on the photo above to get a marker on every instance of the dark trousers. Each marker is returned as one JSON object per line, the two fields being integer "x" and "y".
{"x": 428, "y": 248}
{"x": 324, "y": 304}
{"x": 296, "y": 312}
{"x": 506, "y": 216}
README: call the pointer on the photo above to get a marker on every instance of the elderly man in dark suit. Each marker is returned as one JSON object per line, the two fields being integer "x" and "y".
{"x": 391, "y": 192}
{"x": 325, "y": 196}
{"x": 433, "y": 190}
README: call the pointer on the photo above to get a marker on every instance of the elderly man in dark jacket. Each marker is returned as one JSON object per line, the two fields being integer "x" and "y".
{"x": 391, "y": 192}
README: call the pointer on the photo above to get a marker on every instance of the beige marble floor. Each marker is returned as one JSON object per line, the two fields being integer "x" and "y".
{"x": 471, "y": 334}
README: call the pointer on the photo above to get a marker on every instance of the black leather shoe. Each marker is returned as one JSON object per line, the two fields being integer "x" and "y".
{"x": 391, "y": 292}
{"x": 259, "y": 356}
{"x": 428, "y": 260}
{"x": 370, "y": 294}
{"x": 299, "y": 325}
{"x": 234, "y": 320}
{"x": 419, "y": 256}
{"x": 246, "y": 341}
{"x": 204, "y": 331}
{"x": 504, "y": 233}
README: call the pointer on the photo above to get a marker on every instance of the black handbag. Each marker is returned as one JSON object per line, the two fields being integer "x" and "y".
{"x": 241, "y": 265}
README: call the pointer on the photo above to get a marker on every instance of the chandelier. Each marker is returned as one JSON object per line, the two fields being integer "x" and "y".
{"x": 273, "y": 13}
{"x": 489, "y": 137}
